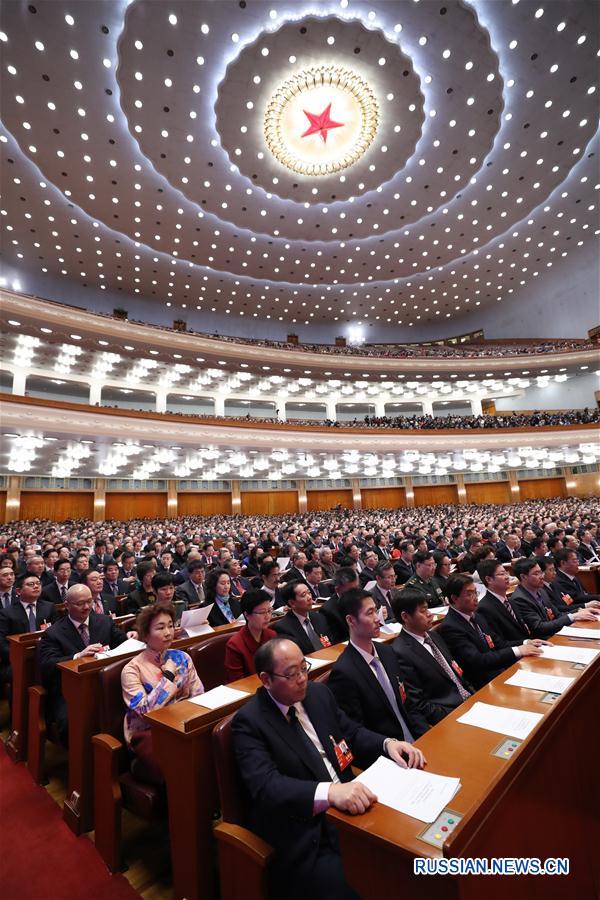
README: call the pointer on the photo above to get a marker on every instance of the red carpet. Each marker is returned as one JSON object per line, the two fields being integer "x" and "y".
{"x": 41, "y": 857}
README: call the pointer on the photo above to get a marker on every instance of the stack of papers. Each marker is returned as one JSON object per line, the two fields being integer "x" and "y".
{"x": 391, "y": 628}
{"x": 413, "y": 792}
{"x": 219, "y": 696}
{"x": 438, "y": 610}
{"x": 193, "y": 621}
{"x": 517, "y": 723}
{"x": 128, "y": 646}
{"x": 582, "y": 634}
{"x": 537, "y": 681}
{"x": 582, "y": 655}
{"x": 316, "y": 662}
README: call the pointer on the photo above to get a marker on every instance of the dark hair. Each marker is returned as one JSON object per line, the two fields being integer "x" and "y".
{"x": 288, "y": 591}
{"x": 344, "y": 575}
{"x": 553, "y": 541}
{"x": 264, "y": 658}
{"x": 563, "y": 555}
{"x": 60, "y": 562}
{"x": 127, "y": 554}
{"x": 421, "y": 556}
{"x": 404, "y": 545}
{"x": 83, "y": 576}
{"x": 6, "y": 560}
{"x": 486, "y": 569}
{"x": 21, "y": 578}
{"x": 196, "y": 564}
{"x": 407, "y": 601}
{"x": 251, "y": 599}
{"x": 545, "y": 561}
{"x": 311, "y": 566}
{"x": 147, "y": 616}
{"x": 48, "y": 551}
{"x": 524, "y": 566}
{"x": 455, "y": 585}
{"x": 384, "y": 566}
{"x": 267, "y": 568}
{"x": 162, "y": 579}
{"x": 439, "y": 556}
{"x": 111, "y": 562}
{"x": 210, "y": 583}
{"x": 351, "y": 602}
{"x": 537, "y": 542}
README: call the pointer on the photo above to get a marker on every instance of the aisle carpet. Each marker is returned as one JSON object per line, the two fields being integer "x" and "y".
{"x": 41, "y": 858}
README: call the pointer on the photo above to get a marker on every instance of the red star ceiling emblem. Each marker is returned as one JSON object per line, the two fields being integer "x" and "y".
{"x": 321, "y": 124}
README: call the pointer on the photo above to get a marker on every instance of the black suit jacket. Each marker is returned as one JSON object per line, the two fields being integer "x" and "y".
{"x": 574, "y": 588}
{"x": 586, "y": 554}
{"x": 123, "y": 587}
{"x": 479, "y": 661}
{"x": 360, "y": 695}
{"x": 432, "y": 688}
{"x": 492, "y": 616}
{"x": 52, "y": 594}
{"x": 403, "y": 571}
{"x": 62, "y": 641}
{"x": 289, "y": 626}
{"x": 293, "y": 574}
{"x": 366, "y": 576}
{"x": 280, "y": 781}
{"x": 338, "y": 628}
{"x": 504, "y": 555}
{"x": 541, "y": 623}
{"x": 216, "y": 617}
{"x": 14, "y": 620}
{"x": 380, "y": 599}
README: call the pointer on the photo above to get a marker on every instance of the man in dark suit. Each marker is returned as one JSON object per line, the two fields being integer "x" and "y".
{"x": 113, "y": 585}
{"x": 239, "y": 584}
{"x": 509, "y": 549}
{"x": 294, "y": 747}
{"x": 192, "y": 590}
{"x": 588, "y": 554}
{"x": 426, "y": 665}
{"x": 7, "y": 587}
{"x": 480, "y": 653}
{"x": 81, "y": 633}
{"x": 302, "y": 624}
{"x": 102, "y": 603}
{"x": 26, "y": 613}
{"x": 296, "y": 570}
{"x": 536, "y": 607}
{"x": 381, "y": 593}
{"x": 567, "y": 586}
{"x": 344, "y": 580}
{"x": 369, "y": 561}
{"x": 403, "y": 566}
{"x": 56, "y": 592}
{"x": 365, "y": 679}
{"x": 496, "y": 612}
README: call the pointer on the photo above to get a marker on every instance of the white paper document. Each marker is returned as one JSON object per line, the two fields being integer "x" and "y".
{"x": 538, "y": 681}
{"x": 194, "y": 620}
{"x": 219, "y": 696}
{"x": 582, "y": 634}
{"x": 583, "y": 655}
{"x": 517, "y": 723}
{"x": 391, "y": 628}
{"x": 316, "y": 662}
{"x": 413, "y": 792}
{"x": 128, "y": 646}
{"x": 283, "y": 562}
{"x": 439, "y": 610}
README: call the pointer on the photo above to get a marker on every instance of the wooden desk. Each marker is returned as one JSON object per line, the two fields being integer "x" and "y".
{"x": 22, "y": 649}
{"x": 181, "y": 742}
{"x": 80, "y": 688}
{"x": 542, "y": 802}
{"x": 589, "y": 576}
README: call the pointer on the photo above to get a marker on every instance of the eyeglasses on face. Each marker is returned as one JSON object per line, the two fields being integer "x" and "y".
{"x": 297, "y": 674}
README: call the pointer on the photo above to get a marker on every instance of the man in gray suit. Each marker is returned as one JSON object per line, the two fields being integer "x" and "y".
{"x": 192, "y": 590}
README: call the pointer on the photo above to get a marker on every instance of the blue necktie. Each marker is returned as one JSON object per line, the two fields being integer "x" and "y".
{"x": 32, "y": 622}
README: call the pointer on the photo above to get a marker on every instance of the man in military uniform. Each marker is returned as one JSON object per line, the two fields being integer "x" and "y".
{"x": 422, "y": 582}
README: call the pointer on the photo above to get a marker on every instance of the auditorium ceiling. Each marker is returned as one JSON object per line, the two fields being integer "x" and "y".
{"x": 297, "y": 162}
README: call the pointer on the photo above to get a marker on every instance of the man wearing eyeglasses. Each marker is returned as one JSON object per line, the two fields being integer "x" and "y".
{"x": 294, "y": 748}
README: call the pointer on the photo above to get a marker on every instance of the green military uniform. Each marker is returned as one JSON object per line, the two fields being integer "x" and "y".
{"x": 431, "y": 592}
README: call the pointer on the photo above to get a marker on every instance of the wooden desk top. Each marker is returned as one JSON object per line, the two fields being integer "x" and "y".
{"x": 462, "y": 751}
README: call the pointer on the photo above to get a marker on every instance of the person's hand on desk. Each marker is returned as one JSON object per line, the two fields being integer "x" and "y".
{"x": 354, "y": 798}
{"x": 591, "y": 604}
{"x": 90, "y": 650}
{"x": 585, "y": 615}
{"x": 529, "y": 649}
{"x": 132, "y": 634}
{"x": 397, "y": 750}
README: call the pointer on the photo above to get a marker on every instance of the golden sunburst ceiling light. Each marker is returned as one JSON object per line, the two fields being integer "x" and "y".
{"x": 321, "y": 120}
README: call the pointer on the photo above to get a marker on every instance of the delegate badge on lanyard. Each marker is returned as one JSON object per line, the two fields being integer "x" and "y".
{"x": 343, "y": 753}
{"x": 325, "y": 642}
{"x": 490, "y": 641}
{"x": 402, "y": 691}
{"x": 457, "y": 668}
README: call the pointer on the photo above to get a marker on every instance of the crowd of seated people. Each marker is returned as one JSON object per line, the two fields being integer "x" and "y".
{"x": 369, "y": 570}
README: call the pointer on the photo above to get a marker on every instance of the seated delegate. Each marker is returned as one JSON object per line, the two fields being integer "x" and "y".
{"x": 241, "y": 646}
{"x": 154, "y": 678}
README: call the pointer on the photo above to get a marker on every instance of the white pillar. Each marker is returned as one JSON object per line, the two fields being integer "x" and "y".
{"x": 379, "y": 407}
{"x": 161, "y": 401}
{"x": 427, "y": 406}
{"x": 19, "y": 381}
{"x": 95, "y": 393}
{"x": 280, "y": 405}
{"x": 476, "y": 409}
{"x": 330, "y": 410}
{"x": 219, "y": 405}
